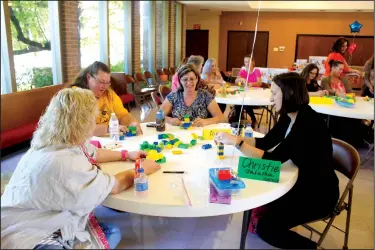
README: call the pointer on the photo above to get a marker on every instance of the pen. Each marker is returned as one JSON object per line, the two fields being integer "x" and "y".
{"x": 173, "y": 172}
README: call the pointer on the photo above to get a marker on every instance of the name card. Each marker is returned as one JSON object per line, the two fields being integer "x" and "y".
{"x": 209, "y": 134}
{"x": 259, "y": 169}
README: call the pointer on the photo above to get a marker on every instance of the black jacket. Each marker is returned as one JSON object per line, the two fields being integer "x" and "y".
{"x": 308, "y": 145}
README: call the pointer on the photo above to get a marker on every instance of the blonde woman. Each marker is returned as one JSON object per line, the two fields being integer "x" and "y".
{"x": 58, "y": 183}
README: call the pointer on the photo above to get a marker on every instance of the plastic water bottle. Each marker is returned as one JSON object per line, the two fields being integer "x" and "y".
{"x": 114, "y": 128}
{"x": 160, "y": 121}
{"x": 249, "y": 131}
{"x": 141, "y": 183}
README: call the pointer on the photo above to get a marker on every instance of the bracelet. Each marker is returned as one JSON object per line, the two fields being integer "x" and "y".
{"x": 124, "y": 153}
{"x": 239, "y": 145}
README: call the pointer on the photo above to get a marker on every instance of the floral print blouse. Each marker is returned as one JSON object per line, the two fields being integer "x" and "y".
{"x": 197, "y": 109}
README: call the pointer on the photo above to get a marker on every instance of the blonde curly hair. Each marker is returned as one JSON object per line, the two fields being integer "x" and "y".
{"x": 68, "y": 119}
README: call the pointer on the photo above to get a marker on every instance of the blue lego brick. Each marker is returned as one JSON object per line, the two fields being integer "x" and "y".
{"x": 156, "y": 143}
{"x": 220, "y": 153}
{"x": 158, "y": 149}
{"x": 206, "y": 146}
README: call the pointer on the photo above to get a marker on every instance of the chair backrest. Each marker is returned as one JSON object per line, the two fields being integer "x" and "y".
{"x": 235, "y": 71}
{"x": 346, "y": 158}
{"x": 118, "y": 83}
{"x": 131, "y": 84}
{"x": 150, "y": 78}
{"x": 156, "y": 99}
{"x": 164, "y": 91}
{"x": 166, "y": 71}
{"x": 159, "y": 72}
{"x": 139, "y": 77}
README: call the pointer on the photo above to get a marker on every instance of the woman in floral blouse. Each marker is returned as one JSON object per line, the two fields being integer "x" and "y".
{"x": 190, "y": 100}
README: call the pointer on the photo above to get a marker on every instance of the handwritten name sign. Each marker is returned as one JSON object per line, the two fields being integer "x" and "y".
{"x": 209, "y": 134}
{"x": 259, "y": 169}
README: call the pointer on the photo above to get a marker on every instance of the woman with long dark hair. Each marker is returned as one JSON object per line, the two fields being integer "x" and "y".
{"x": 310, "y": 73}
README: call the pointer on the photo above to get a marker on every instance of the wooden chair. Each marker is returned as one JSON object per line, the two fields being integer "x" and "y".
{"x": 164, "y": 91}
{"x": 347, "y": 162}
{"x": 118, "y": 84}
{"x": 168, "y": 73}
{"x": 139, "y": 94}
{"x": 172, "y": 70}
{"x": 150, "y": 79}
{"x": 159, "y": 76}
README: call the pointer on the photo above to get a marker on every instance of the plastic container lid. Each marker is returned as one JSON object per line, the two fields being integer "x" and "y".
{"x": 225, "y": 185}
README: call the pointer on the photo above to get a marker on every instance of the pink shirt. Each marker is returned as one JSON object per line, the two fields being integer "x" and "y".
{"x": 174, "y": 82}
{"x": 253, "y": 76}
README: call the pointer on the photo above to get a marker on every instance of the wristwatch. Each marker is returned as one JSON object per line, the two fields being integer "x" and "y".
{"x": 239, "y": 145}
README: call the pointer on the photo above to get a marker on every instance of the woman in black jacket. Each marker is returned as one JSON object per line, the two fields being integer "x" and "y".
{"x": 302, "y": 136}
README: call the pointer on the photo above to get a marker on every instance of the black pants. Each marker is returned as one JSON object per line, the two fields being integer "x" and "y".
{"x": 222, "y": 107}
{"x": 249, "y": 110}
{"x": 367, "y": 92}
{"x": 293, "y": 209}
{"x": 349, "y": 130}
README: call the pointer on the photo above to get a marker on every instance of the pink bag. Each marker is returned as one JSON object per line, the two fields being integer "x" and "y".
{"x": 256, "y": 214}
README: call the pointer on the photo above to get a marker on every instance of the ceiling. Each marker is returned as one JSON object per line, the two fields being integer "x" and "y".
{"x": 281, "y": 6}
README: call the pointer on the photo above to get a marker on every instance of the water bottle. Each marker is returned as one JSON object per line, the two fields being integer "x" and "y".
{"x": 140, "y": 183}
{"x": 249, "y": 131}
{"x": 114, "y": 128}
{"x": 160, "y": 121}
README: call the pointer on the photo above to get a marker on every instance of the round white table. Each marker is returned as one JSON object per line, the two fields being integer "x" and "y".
{"x": 166, "y": 196}
{"x": 360, "y": 110}
{"x": 250, "y": 97}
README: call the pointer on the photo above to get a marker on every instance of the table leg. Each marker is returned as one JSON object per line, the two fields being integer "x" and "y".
{"x": 245, "y": 227}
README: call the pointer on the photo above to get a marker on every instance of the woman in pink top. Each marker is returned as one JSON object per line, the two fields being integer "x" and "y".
{"x": 337, "y": 54}
{"x": 254, "y": 78}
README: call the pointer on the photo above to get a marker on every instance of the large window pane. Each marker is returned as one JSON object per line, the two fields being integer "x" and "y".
{"x": 116, "y": 35}
{"x": 144, "y": 25}
{"x": 159, "y": 34}
{"x": 30, "y": 30}
{"x": 89, "y": 42}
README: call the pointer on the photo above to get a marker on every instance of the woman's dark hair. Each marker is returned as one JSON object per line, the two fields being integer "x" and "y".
{"x": 336, "y": 47}
{"x": 92, "y": 69}
{"x": 185, "y": 69}
{"x": 334, "y": 63}
{"x": 294, "y": 90}
{"x": 308, "y": 68}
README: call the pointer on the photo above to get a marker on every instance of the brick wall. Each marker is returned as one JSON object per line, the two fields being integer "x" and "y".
{"x": 171, "y": 34}
{"x": 71, "y": 64}
{"x": 158, "y": 32}
{"x": 136, "y": 38}
{"x": 184, "y": 25}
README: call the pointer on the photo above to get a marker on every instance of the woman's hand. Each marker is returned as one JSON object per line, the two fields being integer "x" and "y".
{"x": 323, "y": 92}
{"x": 150, "y": 166}
{"x": 199, "y": 122}
{"x": 340, "y": 94}
{"x": 174, "y": 122}
{"x": 137, "y": 126}
{"x": 133, "y": 155}
{"x": 226, "y": 138}
{"x": 122, "y": 128}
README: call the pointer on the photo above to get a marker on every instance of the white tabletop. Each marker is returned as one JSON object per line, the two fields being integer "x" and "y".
{"x": 253, "y": 97}
{"x": 166, "y": 196}
{"x": 360, "y": 110}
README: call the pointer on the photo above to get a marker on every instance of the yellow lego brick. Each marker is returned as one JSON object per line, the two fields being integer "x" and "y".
{"x": 220, "y": 157}
{"x": 177, "y": 143}
{"x": 169, "y": 146}
{"x": 176, "y": 152}
{"x": 186, "y": 120}
{"x": 195, "y": 136}
{"x": 220, "y": 151}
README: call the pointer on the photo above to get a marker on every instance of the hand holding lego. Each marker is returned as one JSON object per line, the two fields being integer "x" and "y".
{"x": 225, "y": 138}
{"x": 133, "y": 155}
{"x": 150, "y": 166}
{"x": 138, "y": 127}
{"x": 199, "y": 122}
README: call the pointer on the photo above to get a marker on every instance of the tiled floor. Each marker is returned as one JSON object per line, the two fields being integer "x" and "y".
{"x": 224, "y": 231}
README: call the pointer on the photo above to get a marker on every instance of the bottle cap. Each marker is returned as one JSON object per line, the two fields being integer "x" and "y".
{"x": 113, "y": 113}
{"x": 141, "y": 170}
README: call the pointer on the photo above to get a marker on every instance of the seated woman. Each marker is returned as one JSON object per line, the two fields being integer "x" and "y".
{"x": 96, "y": 77}
{"x": 190, "y": 100}
{"x": 335, "y": 84}
{"x": 339, "y": 48}
{"x": 213, "y": 78}
{"x": 57, "y": 183}
{"x": 310, "y": 73}
{"x": 254, "y": 79}
{"x": 301, "y": 136}
{"x": 368, "y": 87}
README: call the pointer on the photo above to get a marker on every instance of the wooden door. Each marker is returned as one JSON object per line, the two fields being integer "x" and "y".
{"x": 240, "y": 43}
{"x": 197, "y": 43}
{"x": 320, "y": 45}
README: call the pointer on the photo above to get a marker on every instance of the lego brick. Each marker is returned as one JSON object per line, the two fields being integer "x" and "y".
{"x": 176, "y": 152}
{"x": 177, "y": 143}
{"x": 169, "y": 146}
{"x": 193, "y": 142}
{"x": 156, "y": 143}
{"x": 162, "y": 160}
{"x": 158, "y": 149}
{"x": 185, "y": 146}
{"x": 162, "y": 136}
{"x": 201, "y": 138}
{"x": 224, "y": 175}
{"x": 206, "y": 146}
{"x": 220, "y": 157}
{"x": 220, "y": 153}
{"x": 195, "y": 136}
{"x": 170, "y": 136}
{"x": 132, "y": 128}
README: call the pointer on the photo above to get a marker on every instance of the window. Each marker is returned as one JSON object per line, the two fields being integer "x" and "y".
{"x": 116, "y": 35}
{"x": 159, "y": 34}
{"x": 144, "y": 25}
{"x": 31, "y": 40}
{"x": 88, "y": 14}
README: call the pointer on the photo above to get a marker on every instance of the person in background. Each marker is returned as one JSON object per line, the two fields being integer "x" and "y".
{"x": 368, "y": 87}
{"x": 190, "y": 100}
{"x": 58, "y": 182}
{"x": 310, "y": 73}
{"x": 96, "y": 77}
{"x": 175, "y": 77}
{"x": 335, "y": 84}
{"x": 302, "y": 136}
{"x": 213, "y": 78}
{"x": 254, "y": 79}
{"x": 340, "y": 46}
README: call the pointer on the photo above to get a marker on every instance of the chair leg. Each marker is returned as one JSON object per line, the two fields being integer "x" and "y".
{"x": 323, "y": 235}
{"x": 260, "y": 120}
{"x": 348, "y": 214}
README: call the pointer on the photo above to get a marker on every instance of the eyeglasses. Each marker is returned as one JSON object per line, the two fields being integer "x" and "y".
{"x": 101, "y": 81}
{"x": 185, "y": 80}
{"x": 312, "y": 73}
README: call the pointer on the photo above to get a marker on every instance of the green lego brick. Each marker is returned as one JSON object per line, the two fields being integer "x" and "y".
{"x": 201, "y": 138}
{"x": 185, "y": 146}
{"x": 193, "y": 142}
{"x": 162, "y": 160}
{"x": 132, "y": 129}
